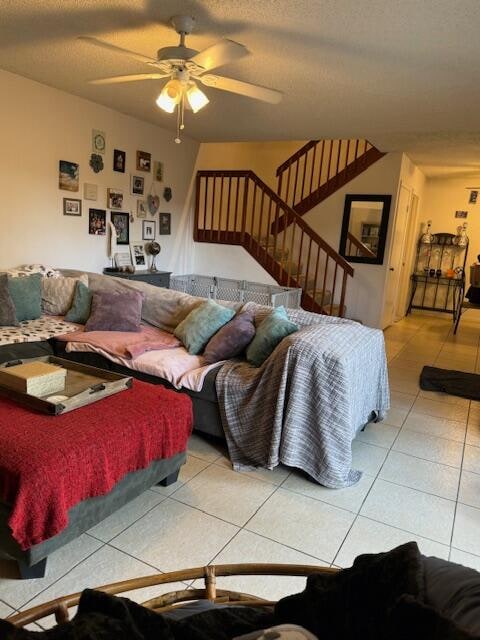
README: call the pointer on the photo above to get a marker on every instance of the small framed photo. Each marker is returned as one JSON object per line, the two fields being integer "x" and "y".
{"x": 98, "y": 141}
{"x": 139, "y": 257}
{"x": 473, "y": 197}
{"x": 144, "y": 161}
{"x": 72, "y": 207}
{"x": 97, "y": 222}
{"x": 122, "y": 259}
{"x": 68, "y": 175}
{"x": 119, "y": 159}
{"x": 148, "y": 230}
{"x": 90, "y": 191}
{"x": 461, "y": 214}
{"x": 164, "y": 226}
{"x": 122, "y": 227}
{"x": 137, "y": 185}
{"x": 158, "y": 170}
{"x": 114, "y": 198}
{"x": 142, "y": 208}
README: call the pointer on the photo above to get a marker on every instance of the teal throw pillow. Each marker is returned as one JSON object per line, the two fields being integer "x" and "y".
{"x": 26, "y": 293}
{"x": 201, "y": 324}
{"x": 270, "y": 333}
{"x": 79, "y": 312}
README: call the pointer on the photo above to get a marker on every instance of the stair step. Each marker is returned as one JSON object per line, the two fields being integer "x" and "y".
{"x": 291, "y": 268}
{"x": 306, "y": 284}
{"x": 335, "y": 310}
{"x": 327, "y": 298}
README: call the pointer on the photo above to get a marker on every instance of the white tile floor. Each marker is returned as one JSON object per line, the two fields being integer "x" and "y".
{"x": 421, "y": 482}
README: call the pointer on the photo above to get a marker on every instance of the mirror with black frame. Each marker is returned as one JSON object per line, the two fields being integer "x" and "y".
{"x": 364, "y": 228}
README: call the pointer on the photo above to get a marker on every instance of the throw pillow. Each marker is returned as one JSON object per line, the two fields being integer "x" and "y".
{"x": 231, "y": 339}
{"x": 57, "y": 294}
{"x": 116, "y": 311}
{"x": 26, "y": 294}
{"x": 201, "y": 324}
{"x": 8, "y": 317}
{"x": 269, "y": 334}
{"x": 79, "y": 312}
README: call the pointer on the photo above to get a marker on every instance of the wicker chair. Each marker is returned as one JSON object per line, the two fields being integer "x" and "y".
{"x": 60, "y": 606}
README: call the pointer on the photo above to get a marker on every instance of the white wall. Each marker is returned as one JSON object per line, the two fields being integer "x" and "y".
{"x": 41, "y": 126}
{"x": 364, "y": 299}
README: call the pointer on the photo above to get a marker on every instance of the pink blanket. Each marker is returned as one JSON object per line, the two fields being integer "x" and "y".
{"x": 125, "y": 344}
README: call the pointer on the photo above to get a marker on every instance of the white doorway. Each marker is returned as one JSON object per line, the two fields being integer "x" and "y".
{"x": 408, "y": 259}
{"x": 392, "y": 309}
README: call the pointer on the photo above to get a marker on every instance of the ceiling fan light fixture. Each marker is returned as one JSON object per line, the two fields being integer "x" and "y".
{"x": 170, "y": 96}
{"x": 196, "y": 98}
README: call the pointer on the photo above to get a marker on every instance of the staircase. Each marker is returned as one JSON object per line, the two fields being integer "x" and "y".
{"x": 238, "y": 208}
{"x": 320, "y": 168}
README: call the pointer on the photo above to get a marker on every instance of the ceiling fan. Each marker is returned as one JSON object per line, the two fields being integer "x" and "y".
{"x": 185, "y": 67}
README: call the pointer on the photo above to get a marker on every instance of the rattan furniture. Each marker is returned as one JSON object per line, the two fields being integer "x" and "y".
{"x": 60, "y": 606}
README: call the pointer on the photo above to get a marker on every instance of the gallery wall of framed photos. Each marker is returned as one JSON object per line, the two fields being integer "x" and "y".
{"x": 45, "y": 210}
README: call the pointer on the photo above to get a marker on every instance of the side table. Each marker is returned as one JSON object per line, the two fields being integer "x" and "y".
{"x": 156, "y": 278}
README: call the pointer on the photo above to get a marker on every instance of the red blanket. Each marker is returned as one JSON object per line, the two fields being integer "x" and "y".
{"x": 50, "y": 463}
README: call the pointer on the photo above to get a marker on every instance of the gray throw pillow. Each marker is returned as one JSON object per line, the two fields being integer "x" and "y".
{"x": 8, "y": 317}
{"x": 79, "y": 312}
{"x": 116, "y": 311}
{"x": 26, "y": 294}
{"x": 232, "y": 339}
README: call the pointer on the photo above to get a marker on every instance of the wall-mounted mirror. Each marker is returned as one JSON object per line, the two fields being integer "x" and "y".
{"x": 364, "y": 228}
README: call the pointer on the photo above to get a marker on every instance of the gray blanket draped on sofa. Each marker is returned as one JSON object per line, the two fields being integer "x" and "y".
{"x": 306, "y": 403}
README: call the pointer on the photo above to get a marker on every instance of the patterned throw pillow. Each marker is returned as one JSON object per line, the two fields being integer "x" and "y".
{"x": 201, "y": 324}
{"x": 8, "y": 317}
{"x": 28, "y": 269}
{"x": 269, "y": 334}
{"x": 58, "y": 293}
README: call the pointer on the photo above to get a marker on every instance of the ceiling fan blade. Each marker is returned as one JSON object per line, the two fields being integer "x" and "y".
{"x": 130, "y": 78}
{"x": 243, "y": 88}
{"x": 219, "y": 54}
{"x": 115, "y": 49}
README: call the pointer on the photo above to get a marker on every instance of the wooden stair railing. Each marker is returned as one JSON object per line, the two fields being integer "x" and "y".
{"x": 321, "y": 167}
{"x": 357, "y": 248}
{"x": 238, "y": 208}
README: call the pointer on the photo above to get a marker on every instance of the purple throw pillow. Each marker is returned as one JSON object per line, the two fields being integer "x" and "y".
{"x": 115, "y": 311}
{"x": 231, "y": 339}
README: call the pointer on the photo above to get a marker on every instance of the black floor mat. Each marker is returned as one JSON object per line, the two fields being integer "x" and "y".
{"x": 455, "y": 383}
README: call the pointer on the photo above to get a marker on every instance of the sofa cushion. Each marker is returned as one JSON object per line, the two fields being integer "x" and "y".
{"x": 201, "y": 324}
{"x": 8, "y": 317}
{"x": 82, "y": 302}
{"x": 269, "y": 334}
{"x": 58, "y": 294}
{"x": 115, "y": 311}
{"x": 232, "y": 339}
{"x": 26, "y": 294}
{"x": 453, "y": 590}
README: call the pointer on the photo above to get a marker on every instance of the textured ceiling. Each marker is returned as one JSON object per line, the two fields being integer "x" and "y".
{"x": 402, "y": 74}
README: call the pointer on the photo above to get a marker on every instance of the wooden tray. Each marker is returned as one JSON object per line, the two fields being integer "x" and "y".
{"x": 84, "y": 385}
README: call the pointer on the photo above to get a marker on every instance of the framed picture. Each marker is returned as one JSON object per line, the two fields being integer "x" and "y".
{"x": 90, "y": 191}
{"x": 72, "y": 207}
{"x": 461, "y": 214}
{"x": 119, "y": 159}
{"x": 164, "y": 226}
{"x": 141, "y": 208}
{"x": 68, "y": 174}
{"x": 158, "y": 170}
{"x": 121, "y": 224}
{"x": 139, "y": 257}
{"x": 473, "y": 197}
{"x": 144, "y": 161}
{"x": 148, "y": 230}
{"x": 137, "y": 185}
{"x": 97, "y": 222}
{"x": 122, "y": 259}
{"x": 98, "y": 141}
{"x": 114, "y": 198}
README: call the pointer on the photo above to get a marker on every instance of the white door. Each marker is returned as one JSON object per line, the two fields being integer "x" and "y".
{"x": 407, "y": 260}
{"x": 396, "y": 256}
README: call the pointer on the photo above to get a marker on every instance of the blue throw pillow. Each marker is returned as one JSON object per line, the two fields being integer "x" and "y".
{"x": 79, "y": 312}
{"x": 269, "y": 334}
{"x": 26, "y": 293}
{"x": 201, "y": 324}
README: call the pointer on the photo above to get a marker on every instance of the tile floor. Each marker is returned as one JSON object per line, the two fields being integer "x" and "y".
{"x": 421, "y": 482}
